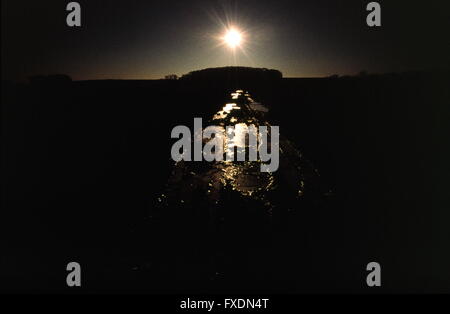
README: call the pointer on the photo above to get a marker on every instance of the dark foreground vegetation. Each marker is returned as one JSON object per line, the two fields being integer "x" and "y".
{"x": 84, "y": 162}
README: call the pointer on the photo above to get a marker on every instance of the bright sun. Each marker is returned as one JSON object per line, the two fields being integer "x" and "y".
{"x": 233, "y": 38}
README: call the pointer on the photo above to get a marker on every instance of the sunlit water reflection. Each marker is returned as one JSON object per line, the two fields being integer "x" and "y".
{"x": 243, "y": 177}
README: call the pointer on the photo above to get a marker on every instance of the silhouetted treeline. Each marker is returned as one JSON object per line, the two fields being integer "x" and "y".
{"x": 50, "y": 79}
{"x": 233, "y": 77}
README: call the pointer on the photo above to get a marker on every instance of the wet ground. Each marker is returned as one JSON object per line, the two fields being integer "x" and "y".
{"x": 227, "y": 225}
{"x": 296, "y": 178}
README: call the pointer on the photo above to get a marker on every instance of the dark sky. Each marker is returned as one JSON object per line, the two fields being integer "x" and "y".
{"x": 149, "y": 39}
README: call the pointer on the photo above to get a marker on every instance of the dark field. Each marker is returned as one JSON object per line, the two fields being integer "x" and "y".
{"x": 83, "y": 164}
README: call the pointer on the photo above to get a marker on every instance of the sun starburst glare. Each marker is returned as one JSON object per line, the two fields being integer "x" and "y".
{"x": 233, "y": 38}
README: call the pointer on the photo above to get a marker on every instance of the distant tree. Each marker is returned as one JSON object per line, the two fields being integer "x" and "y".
{"x": 171, "y": 77}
